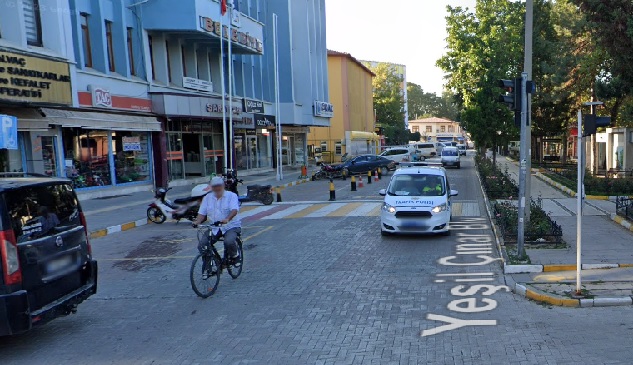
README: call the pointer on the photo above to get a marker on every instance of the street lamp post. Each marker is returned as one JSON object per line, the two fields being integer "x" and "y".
{"x": 527, "y": 68}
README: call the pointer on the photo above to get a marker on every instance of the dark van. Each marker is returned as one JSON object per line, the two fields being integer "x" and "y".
{"x": 46, "y": 264}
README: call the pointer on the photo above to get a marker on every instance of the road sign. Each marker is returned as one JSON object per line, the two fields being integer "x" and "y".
{"x": 8, "y": 132}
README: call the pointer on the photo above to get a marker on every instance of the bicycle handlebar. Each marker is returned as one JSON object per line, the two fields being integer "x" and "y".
{"x": 214, "y": 224}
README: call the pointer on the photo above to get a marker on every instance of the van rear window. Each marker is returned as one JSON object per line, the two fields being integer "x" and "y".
{"x": 41, "y": 211}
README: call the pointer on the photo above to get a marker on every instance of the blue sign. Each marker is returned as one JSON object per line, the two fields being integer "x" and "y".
{"x": 8, "y": 132}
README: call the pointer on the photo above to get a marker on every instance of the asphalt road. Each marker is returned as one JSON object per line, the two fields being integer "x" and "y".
{"x": 321, "y": 286}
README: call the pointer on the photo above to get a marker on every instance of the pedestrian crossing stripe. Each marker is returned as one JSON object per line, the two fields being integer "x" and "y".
{"x": 335, "y": 209}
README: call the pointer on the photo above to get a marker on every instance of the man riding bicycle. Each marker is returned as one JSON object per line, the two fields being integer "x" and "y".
{"x": 222, "y": 206}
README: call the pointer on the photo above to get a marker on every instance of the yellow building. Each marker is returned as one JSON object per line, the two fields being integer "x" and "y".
{"x": 352, "y": 127}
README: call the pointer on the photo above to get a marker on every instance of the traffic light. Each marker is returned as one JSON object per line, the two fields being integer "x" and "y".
{"x": 592, "y": 123}
{"x": 512, "y": 93}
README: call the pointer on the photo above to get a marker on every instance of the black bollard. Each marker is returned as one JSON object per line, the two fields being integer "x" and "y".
{"x": 332, "y": 191}
{"x": 353, "y": 183}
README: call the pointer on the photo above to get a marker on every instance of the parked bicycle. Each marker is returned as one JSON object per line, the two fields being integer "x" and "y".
{"x": 208, "y": 265}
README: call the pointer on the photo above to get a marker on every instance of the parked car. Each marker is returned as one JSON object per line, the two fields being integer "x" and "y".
{"x": 426, "y": 149}
{"x": 363, "y": 163}
{"x": 450, "y": 157}
{"x": 462, "y": 149}
{"x": 45, "y": 258}
{"x": 397, "y": 154}
{"x": 418, "y": 200}
{"x": 439, "y": 146}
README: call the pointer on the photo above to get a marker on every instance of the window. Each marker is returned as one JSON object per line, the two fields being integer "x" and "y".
{"x": 429, "y": 129}
{"x": 130, "y": 50}
{"x": 416, "y": 129}
{"x": 451, "y": 129}
{"x": 151, "y": 56}
{"x": 32, "y": 22}
{"x": 108, "y": 29}
{"x": 85, "y": 31}
{"x": 168, "y": 62}
{"x": 339, "y": 149}
{"x": 183, "y": 54}
{"x": 323, "y": 146}
{"x": 443, "y": 128}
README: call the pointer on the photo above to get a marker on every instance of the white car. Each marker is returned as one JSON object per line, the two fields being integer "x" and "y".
{"x": 426, "y": 149}
{"x": 418, "y": 200}
{"x": 398, "y": 154}
{"x": 462, "y": 149}
{"x": 450, "y": 157}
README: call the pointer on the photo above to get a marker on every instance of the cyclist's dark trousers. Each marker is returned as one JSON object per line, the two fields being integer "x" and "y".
{"x": 230, "y": 241}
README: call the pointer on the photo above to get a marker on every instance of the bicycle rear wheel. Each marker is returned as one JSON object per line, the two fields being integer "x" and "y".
{"x": 205, "y": 274}
{"x": 235, "y": 269}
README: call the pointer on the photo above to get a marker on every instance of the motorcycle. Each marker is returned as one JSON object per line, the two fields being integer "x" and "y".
{"x": 185, "y": 208}
{"x": 259, "y": 193}
{"x": 327, "y": 172}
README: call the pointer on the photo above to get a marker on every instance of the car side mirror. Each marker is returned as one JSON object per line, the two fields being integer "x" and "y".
{"x": 454, "y": 193}
{"x": 353, "y": 162}
{"x": 382, "y": 192}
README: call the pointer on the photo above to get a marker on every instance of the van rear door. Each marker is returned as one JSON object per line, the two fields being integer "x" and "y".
{"x": 51, "y": 238}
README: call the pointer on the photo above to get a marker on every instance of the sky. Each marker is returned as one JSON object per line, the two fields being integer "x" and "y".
{"x": 409, "y": 32}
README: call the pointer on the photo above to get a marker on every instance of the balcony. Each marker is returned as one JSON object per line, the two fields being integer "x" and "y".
{"x": 198, "y": 21}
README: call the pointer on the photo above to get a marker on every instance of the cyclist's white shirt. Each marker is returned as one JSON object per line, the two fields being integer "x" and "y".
{"x": 219, "y": 209}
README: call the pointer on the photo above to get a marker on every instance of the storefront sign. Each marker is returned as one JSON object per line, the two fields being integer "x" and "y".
{"x": 247, "y": 122}
{"x": 216, "y": 108}
{"x": 33, "y": 79}
{"x": 243, "y": 38}
{"x": 132, "y": 143}
{"x": 87, "y": 99}
{"x": 253, "y": 106}
{"x": 289, "y": 130}
{"x": 197, "y": 84}
{"x": 323, "y": 109}
{"x": 265, "y": 121}
{"x": 101, "y": 97}
{"x": 9, "y": 132}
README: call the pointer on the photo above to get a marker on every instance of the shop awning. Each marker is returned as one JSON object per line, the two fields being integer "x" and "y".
{"x": 370, "y": 136}
{"x": 29, "y": 119}
{"x": 104, "y": 121}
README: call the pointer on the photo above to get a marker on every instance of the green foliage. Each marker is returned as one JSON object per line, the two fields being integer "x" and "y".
{"x": 424, "y": 105}
{"x": 388, "y": 96}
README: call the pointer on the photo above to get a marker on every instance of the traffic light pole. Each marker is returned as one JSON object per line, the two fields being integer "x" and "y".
{"x": 523, "y": 169}
{"x": 580, "y": 192}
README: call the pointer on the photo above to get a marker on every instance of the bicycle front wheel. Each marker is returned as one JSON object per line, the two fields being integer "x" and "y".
{"x": 205, "y": 274}
{"x": 235, "y": 269}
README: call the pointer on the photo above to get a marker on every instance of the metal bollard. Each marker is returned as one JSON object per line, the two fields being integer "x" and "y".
{"x": 332, "y": 191}
{"x": 278, "y": 195}
{"x": 353, "y": 183}
{"x": 368, "y": 177}
{"x": 344, "y": 174}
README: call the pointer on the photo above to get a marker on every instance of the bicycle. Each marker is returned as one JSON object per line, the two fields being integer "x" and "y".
{"x": 208, "y": 265}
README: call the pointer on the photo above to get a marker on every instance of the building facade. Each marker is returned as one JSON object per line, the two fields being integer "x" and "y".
{"x": 352, "y": 127}
{"x": 437, "y": 129}
{"x": 400, "y": 70}
{"x": 36, "y": 69}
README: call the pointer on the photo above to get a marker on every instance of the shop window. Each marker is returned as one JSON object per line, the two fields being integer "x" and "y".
{"x": 339, "y": 149}
{"x": 108, "y": 30}
{"x": 451, "y": 129}
{"x": 416, "y": 129}
{"x": 87, "y": 48}
{"x": 130, "y": 50}
{"x": 87, "y": 157}
{"x": 131, "y": 156}
{"x": 32, "y": 22}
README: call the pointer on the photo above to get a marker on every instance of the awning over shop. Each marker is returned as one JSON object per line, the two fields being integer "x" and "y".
{"x": 29, "y": 119}
{"x": 370, "y": 136}
{"x": 104, "y": 121}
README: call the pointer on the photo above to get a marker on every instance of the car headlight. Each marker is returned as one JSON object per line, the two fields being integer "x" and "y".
{"x": 388, "y": 208}
{"x": 440, "y": 208}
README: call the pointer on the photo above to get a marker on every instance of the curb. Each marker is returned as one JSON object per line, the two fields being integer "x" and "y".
{"x": 500, "y": 249}
{"x": 118, "y": 228}
{"x": 622, "y": 221}
{"x": 569, "y": 191}
{"x": 293, "y": 183}
{"x": 540, "y": 296}
{"x": 530, "y": 269}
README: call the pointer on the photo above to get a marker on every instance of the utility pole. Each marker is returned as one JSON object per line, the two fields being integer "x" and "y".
{"x": 579, "y": 198}
{"x": 523, "y": 169}
{"x": 527, "y": 68}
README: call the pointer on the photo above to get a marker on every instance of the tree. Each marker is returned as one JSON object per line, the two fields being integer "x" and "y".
{"x": 424, "y": 105}
{"x": 389, "y": 103}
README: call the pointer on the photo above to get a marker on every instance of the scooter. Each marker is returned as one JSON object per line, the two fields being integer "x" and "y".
{"x": 258, "y": 193}
{"x": 185, "y": 208}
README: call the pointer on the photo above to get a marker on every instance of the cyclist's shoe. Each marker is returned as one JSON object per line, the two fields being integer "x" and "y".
{"x": 235, "y": 260}
{"x": 208, "y": 274}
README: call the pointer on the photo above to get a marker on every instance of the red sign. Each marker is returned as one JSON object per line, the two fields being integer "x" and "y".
{"x": 116, "y": 102}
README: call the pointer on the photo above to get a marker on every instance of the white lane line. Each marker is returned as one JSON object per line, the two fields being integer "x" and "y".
{"x": 288, "y": 211}
{"x": 325, "y": 210}
{"x": 363, "y": 210}
{"x": 255, "y": 211}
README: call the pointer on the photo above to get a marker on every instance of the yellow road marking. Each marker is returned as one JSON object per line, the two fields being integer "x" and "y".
{"x": 247, "y": 208}
{"x": 375, "y": 212}
{"x": 306, "y": 211}
{"x": 344, "y": 210}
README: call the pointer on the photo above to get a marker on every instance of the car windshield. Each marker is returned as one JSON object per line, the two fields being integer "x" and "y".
{"x": 449, "y": 153}
{"x": 417, "y": 185}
